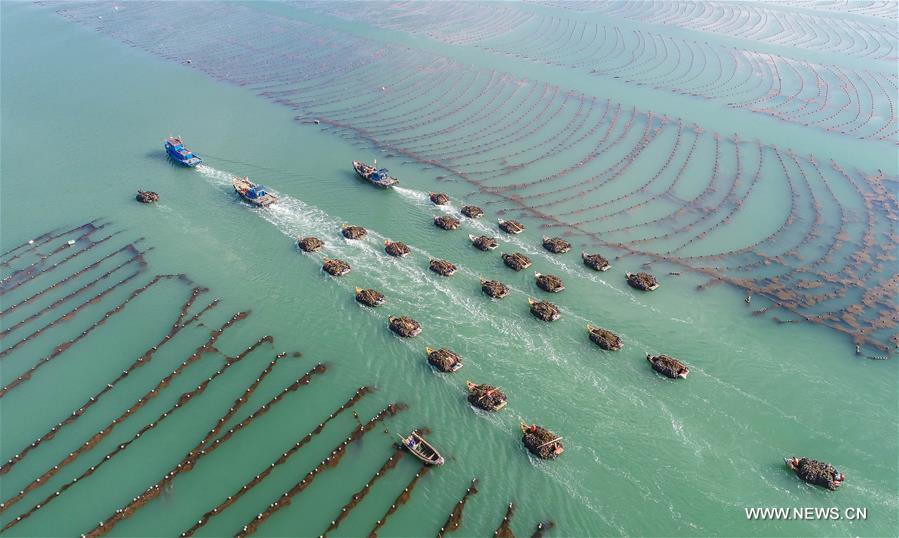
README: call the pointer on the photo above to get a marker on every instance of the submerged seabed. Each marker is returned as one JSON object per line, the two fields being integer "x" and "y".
{"x": 643, "y": 455}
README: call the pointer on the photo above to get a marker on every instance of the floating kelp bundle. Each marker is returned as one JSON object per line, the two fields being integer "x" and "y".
{"x": 444, "y": 360}
{"x": 550, "y": 283}
{"x": 494, "y": 288}
{"x": 556, "y": 245}
{"x": 642, "y": 281}
{"x": 541, "y": 442}
{"x": 335, "y": 267}
{"x": 486, "y": 397}
{"x": 397, "y": 249}
{"x": 604, "y": 338}
{"x": 516, "y": 260}
{"x": 354, "y": 232}
{"x": 483, "y": 242}
{"x": 404, "y": 326}
{"x": 146, "y": 197}
{"x": 472, "y": 211}
{"x": 442, "y": 267}
{"x": 369, "y": 297}
{"x": 511, "y": 226}
{"x": 668, "y": 366}
{"x": 544, "y": 310}
{"x": 816, "y": 472}
{"x": 439, "y": 198}
{"x": 446, "y": 222}
{"x": 310, "y": 244}
{"x": 595, "y": 262}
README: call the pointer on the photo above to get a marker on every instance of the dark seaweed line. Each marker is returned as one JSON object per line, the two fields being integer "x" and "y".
{"x": 100, "y": 435}
{"x": 504, "y": 530}
{"x": 194, "y": 454}
{"x": 402, "y": 499}
{"x": 455, "y": 518}
{"x": 235, "y": 496}
{"x": 142, "y": 359}
{"x": 30, "y": 269}
{"x": 182, "y": 400}
{"x": 329, "y": 462}
{"x": 61, "y": 348}
{"x": 138, "y": 255}
{"x": 542, "y": 528}
{"x": 361, "y": 494}
{"x": 41, "y": 239}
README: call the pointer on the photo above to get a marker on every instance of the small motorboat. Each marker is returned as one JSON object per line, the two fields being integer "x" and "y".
{"x": 444, "y": 360}
{"x": 516, "y": 261}
{"x": 335, "y": 267}
{"x": 404, "y": 326}
{"x": 486, "y": 397}
{"x": 595, "y": 262}
{"x": 541, "y": 442}
{"x": 397, "y": 249}
{"x": 604, "y": 338}
{"x": 494, "y": 289}
{"x": 377, "y": 177}
{"x": 353, "y": 232}
{"x": 146, "y": 197}
{"x": 550, "y": 283}
{"x": 446, "y": 222}
{"x": 668, "y": 366}
{"x": 511, "y": 226}
{"x": 442, "y": 267}
{"x": 252, "y": 193}
{"x": 369, "y": 297}
{"x": 816, "y": 472}
{"x": 438, "y": 198}
{"x": 174, "y": 147}
{"x": 556, "y": 245}
{"x": 544, "y": 310}
{"x": 310, "y": 244}
{"x": 421, "y": 449}
{"x": 642, "y": 281}
{"x": 483, "y": 242}
{"x": 472, "y": 211}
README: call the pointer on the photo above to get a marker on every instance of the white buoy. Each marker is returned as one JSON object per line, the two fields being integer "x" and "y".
{"x": 71, "y": 242}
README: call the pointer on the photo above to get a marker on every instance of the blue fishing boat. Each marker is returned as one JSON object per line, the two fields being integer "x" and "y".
{"x": 377, "y": 177}
{"x": 180, "y": 154}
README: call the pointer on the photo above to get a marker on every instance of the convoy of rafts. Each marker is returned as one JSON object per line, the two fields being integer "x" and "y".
{"x": 444, "y": 360}
{"x": 446, "y": 222}
{"x": 369, "y": 297}
{"x": 397, "y": 249}
{"x": 483, "y": 242}
{"x": 335, "y": 267}
{"x": 516, "y": 261}
{"x": 550, "y": 283}
{"x": 486, "y": 397}
{"x": 442, "y": 267}
{"x": 511, "y": 226}
{"x": 544, "y": 310}
{"x": 494, "y": 289}
{"x": 404, "y": 326}
{"x": 556, "y": 245}
{"x": 604, "y": 338}
{"x": 310, "y": 244}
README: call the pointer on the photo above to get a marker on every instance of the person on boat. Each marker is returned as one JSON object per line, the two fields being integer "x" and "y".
{"x": 411, "y": 443}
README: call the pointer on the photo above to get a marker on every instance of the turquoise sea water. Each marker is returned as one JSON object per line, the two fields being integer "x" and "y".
{"x": 82, "y": 121}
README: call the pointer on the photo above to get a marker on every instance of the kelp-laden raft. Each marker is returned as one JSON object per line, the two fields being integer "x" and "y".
{"x": 397, "y": 249}
{"x": 816, "y": 472}
{"x": 486, "y": 397}
{"x": 642, "y": 281}
{"x": 511, "y": 226}
{"x": 442, "y": 267}
{"x": 494, "y": 289}
{"x": 446, "y": 222}
{"x": 472, "y": 211}
{"x": 438, "y": 198}
{"x": 544, "y": 310}
{"x": 483, "y": 242}
{"x": 354, "y": 232}
{"x": 335, "y": 267}
{"x": 516, "y": 261}
{"x": 550, "y": 283}
{"x": 595, "y": 262}
{"x": 404, "y": 326}
{"x": 369, "y": 297}
{"x": 556, "y": 245}
{"x": 541, "y": 442}
{"x": 146, "y": 197}
{"x": 604, "y": 338}
{"x": 444, "y": 360}
{"x": 668, "y": 366}
{"x": 310, "y": 244}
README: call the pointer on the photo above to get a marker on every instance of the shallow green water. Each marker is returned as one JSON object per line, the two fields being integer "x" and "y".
{"x": 82, "y": 120}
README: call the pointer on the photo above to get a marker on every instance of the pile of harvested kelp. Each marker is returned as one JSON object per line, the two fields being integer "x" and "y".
{"x": 446, "y": 222}
{"x": 335, "y": 267}
{"x": 556, "y": 245}
{"x": 439, "y": 198}
{"x": 397, "y": 249}
{"x": 354, "y": 232}
{"x": 816, "y": 472}
{"x": 486, "y": 397}
{"x": 595, "y": 262}
{"x": 516, "y": 260}
{"x": 604, "y": 338}
{"x": 511, "y": 226}
{"x": 544, "y": 310}
{"x": 541, "y": 442}
{"x": 668, "y": 366}
{"x": 310, "y": 244}
{"x": 642, "y": 281}
{"x": 483, "y": 242}
{"x": 369, "y": 297}
{"x": 444, "y": 360}
{"x": 442, "y": 267}
{"x": 472, "y": 211}
{"x": 550, "y": 283}
{"x": 146, "y": 197}
{"x": 404, "y": 326}
{"x": 494, "y": 288}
